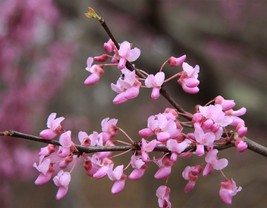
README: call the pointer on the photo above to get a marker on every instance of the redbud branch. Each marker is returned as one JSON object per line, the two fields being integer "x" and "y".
{"x": 129, "y": 66}
{"x": 253, "y": 146}
{"x": 256, "y": 147}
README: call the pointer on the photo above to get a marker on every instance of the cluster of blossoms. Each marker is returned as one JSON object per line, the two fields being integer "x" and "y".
{"x": 128, "y": 85}
{"x": 213, "y": 124}
{"x": 62, "y": 160}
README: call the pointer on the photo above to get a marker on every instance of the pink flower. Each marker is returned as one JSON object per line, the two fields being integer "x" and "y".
{"x": 139, "y": 167}
{"x": 127, "y": 87}
{"x": 241, "y": 129}
{"x": 155, "y": 82}
{"x": 234, "y": 115}
{"x": 163, "y": 194}
{"x": 106, "y": 165}
{"x": 67, "y": 146}
{"x": 47, "y": 150}
{"x": 211, "y": 119}
{"x": 177, "y": 147}
{"x": 109, "y": 128}
{"x": 109, "y": 46}
{"x": 165, "y": 166}
{"x": 215, "y": 114}
{"x": 163, "y": 125}
{"x": 62, "y": 180}
{"x": 119, "y": 177}
{"x": 127, "y": 54}
{"x": 202, "y": 138}
{"x": 228, "y": 189}
{"x": 54, "y": 127}
{"x": 240, "y": 144}
{"x": 66, "y": 161}
{"x": 191, "y": 174}
{"x": 176, "y": 61}
{"x": 189, "y": 78}
{"x": 84, "y": 138}
{"x": 213, "y": 162}
{"x": 46, "y": 170}
{"x": 96, "y": 72}
{"x": 92, "y": 164}
{"x": 146, "y": 148}
{"x": 101, "y": 58}
{"x": 226, "y": 104}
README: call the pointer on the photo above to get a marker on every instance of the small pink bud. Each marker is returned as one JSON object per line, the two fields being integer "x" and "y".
{"x": 101, "y": 58}
{"x": 92, "y": 79}
{"x": 176, "y": 61}
{"x": 226, "y": 104}
{"x": 109, "y": 46}
{"x": 240, "y": 144}
{"x": 241, "y": 130}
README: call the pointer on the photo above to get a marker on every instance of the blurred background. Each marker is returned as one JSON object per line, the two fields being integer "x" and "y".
{"x": 44, "y": 45}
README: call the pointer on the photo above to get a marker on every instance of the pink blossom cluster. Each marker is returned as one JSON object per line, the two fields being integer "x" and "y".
{"x": 210, "y": 125}
{"x": 163, "y": 130}
{"x": 59, "y": 161}
{"x": 213, "y": 123}
{"x": 128, "y": 85}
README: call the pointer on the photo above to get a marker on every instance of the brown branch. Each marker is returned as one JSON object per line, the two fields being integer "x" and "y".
{"x": 256, "y": 147}
{"x": 253, "y": 146}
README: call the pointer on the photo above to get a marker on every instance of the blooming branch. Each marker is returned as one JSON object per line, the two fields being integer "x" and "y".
{"x": 252, "y": 145}
{"x": 212, "y": 127}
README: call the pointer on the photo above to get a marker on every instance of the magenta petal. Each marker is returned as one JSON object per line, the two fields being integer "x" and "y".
{"x": 163, "y": 172}
{"x": 92, "y": 79}
{"x": 122, "y": 63}
{"x": 42, "y": 179}
{"x": 163, "y": 136}
{"x": 134, "y": 54}
{"x": 220, "y": 164}
{"x": 191, "y": 82}
{"x": 147, "y": 132}
{"x": 200, "y": 151}
{"x": 189, "y": 186}
{"x": 62, "y": 191}
{"x": 120, "y": 98}
{"x": 189, "y": 90}
{"x": 132, "y": 92}
{"x": 65, "y": 139}
{"x": 118, "y": 186}
{"x": 89, "y": 62}
{"x": 207, "y": 170}
{"x": 101, "y": 172}
{"x": 155, "y": 93}
{"x": 136, "y": 174}
{"x": 48, "y": 134}
{"x": 125, "y": 47}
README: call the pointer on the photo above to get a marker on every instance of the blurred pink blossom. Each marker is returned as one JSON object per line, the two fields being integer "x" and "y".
{"x": 228, "y": 189}
{"x": 62, "y": 180}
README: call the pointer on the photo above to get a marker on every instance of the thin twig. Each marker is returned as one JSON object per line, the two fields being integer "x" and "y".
{"x": 256, "y": 147}
{"x": 253, "y": 146}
